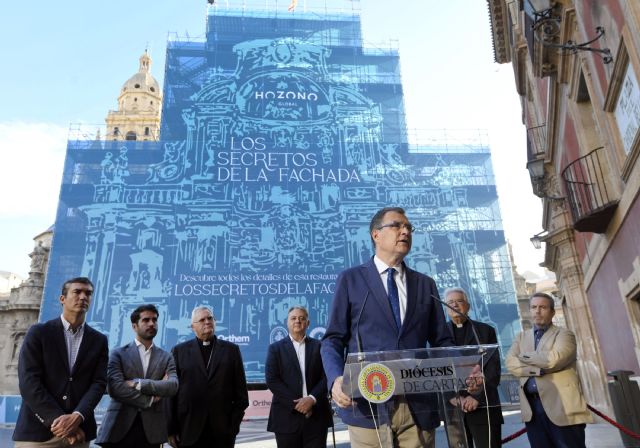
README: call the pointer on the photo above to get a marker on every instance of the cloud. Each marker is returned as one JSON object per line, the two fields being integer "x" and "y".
{"x": 31, "y": 162}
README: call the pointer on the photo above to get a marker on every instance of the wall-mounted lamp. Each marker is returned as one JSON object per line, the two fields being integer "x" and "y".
{"x": 536, "y": 172}
{"x": 538, "y": 238}
{"x": 573, "y": 47}
{"x": 546, "y": 23}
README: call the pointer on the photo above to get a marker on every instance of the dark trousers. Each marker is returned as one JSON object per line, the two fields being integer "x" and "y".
{"x": 302, "y": 439}
{"x": 543, "y": 433}
{"x": 208, "y": 439}
{"x": 134, "y": 438}
{"x": 478, "y": 435}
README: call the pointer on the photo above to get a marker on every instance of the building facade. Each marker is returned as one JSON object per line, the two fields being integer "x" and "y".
{"x": 575, "y": 65}
{"x": 281, "y": 135}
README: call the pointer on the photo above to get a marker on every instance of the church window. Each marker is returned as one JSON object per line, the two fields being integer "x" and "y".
{"x": 131, "y": 135}
{"x": 146, "y": 131}
{"x": 116, "y": 131}
{"x": 153, "y": 89}
{"x": 137, "y": 86}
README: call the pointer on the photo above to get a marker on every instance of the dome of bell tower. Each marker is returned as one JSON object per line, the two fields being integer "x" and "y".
{"x": 139, "y": 106}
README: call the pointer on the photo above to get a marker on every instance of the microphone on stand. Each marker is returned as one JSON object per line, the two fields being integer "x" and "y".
{"x": 473, "y": 328}
{"x": 358, "y": 338}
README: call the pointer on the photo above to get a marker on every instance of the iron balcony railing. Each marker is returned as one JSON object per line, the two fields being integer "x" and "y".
{"x": 536, "y": 141}
{"x": 592, "y": 203}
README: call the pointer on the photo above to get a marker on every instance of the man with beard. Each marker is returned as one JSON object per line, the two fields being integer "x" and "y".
{"x": 139, "y": 375}
{"x": 209, "y": 406}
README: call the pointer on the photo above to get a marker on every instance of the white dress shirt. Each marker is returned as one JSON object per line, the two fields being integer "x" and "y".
{"x": 401, "y": 282}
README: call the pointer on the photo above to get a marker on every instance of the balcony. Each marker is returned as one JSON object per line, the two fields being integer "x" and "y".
{"x": 592, "y": 203}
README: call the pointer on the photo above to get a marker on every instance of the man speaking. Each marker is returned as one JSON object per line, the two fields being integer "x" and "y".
{"x": 384, "y": 305}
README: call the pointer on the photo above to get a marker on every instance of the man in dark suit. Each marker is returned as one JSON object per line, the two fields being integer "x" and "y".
{"x": 139, "y": 375}
{"x": 212, "y": 396}
{"x": 62, "y": 374}
{"x": 482, "y": 430}
{"x": 300, "y": 411}
{"x": 375, "y": 308}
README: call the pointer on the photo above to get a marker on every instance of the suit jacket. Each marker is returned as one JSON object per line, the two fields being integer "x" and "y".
{"x": 553, "y": 364}
{"x": 361, "y": 309}
{"x": 217, "y": 394}
{"x": 491, "y": 370}
{"x": 127, "y": 402}
{"x": 284, "y": 379}
{"x": 49, "y": 388}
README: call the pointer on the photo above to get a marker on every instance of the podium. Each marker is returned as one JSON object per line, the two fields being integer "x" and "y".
{"x": 428, "y": 381}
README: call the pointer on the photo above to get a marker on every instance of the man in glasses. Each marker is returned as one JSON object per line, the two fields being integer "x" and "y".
{"x": 378, "y": 306}
{"x": 482, "y": 421}
{"x": 212, "y": 395}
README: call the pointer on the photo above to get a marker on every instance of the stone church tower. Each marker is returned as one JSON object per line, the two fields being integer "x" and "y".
{"x": 139, "y": 106}
{"x": 19, "y": 311}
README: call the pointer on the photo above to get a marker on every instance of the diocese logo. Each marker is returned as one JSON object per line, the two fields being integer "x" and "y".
{"x": 376, "y": 383}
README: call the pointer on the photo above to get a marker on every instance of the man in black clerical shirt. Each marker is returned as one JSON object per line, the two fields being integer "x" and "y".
{"x": 481, "y": 430}
{"x": 212, "y": 396}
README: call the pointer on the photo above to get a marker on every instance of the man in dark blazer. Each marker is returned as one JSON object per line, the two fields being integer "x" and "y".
{"x": 212, "y": 395}
{"x": 480, "y": 432}
{"x": 377, "y": 309}
{"x": 300, "y": 411}
{"x": 139, "y": 375}
{"x": 62, "y": 375}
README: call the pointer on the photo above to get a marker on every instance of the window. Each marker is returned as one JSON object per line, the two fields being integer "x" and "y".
{"x": 146, "y": 131}
{"x": 131, "y": 135}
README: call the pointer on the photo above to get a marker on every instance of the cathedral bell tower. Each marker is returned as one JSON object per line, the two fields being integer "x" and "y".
{"x": 139, "y": 106}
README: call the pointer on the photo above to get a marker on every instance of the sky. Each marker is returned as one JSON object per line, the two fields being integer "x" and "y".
{"x": 65, "y": 62}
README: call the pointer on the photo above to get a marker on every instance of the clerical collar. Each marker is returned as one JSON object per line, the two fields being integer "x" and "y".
{"x": 459, "y": 325}
{"x": 205, "y": 343}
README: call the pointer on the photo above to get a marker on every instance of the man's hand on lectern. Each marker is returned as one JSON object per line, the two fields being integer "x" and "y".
{"x": 340, "y": 398}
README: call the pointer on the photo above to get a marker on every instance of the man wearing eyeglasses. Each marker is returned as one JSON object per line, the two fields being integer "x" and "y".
{"x": 212, "y": 393}
{"x": 482, "y": 422}
{"x": 384, "y": 305}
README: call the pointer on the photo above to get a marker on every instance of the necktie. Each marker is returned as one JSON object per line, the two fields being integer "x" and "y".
{"x": 394, "y": 298}
{"x": 537, "y": 335}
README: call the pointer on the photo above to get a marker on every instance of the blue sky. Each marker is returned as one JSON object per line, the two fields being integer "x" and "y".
{"x": 64, "y": 62}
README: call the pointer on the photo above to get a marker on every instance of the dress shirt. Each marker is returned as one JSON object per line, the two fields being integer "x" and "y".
{"x": 300, "y": 348}
{"x": 145, "y": 355}
{"x": 73, "y": 339}
{"x": 531, "y": 387}
{"x": 401, "y": 282}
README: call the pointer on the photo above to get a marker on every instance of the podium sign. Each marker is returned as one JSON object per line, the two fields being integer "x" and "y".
{"x": 428, "y": 381}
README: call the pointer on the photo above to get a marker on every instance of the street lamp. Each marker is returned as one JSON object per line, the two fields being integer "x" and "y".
{"x": 537, "y": 239}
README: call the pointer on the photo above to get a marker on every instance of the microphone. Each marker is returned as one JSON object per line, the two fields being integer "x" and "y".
{"x": 358, "y": 338}
{"x": 473, "y": 328}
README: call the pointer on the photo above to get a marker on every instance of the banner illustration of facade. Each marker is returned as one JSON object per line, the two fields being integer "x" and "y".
{"x": 281, "y": 135}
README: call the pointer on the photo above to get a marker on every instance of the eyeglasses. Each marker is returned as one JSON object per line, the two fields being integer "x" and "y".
{"x": 456, "y": 302}
{"x": 399, "y": 225}
{"x": 203, "y": 320}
